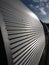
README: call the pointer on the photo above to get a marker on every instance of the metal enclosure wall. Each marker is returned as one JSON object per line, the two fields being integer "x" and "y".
{"x": 22, "y": 32}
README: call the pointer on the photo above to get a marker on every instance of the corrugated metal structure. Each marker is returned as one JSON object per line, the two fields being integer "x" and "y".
{"x": 22, "y": 32}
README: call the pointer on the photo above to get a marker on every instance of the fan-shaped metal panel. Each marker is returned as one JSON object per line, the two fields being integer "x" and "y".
{"x": 25, "y": 34}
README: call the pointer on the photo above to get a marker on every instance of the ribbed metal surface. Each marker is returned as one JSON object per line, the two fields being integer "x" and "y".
{"x": 25, "y": 33}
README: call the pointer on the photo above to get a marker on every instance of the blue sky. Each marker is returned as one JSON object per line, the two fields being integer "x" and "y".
{"x": 39, "y": 7}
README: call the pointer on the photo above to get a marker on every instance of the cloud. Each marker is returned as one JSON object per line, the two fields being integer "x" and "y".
{"x": 47, "y": 5}
{"x": 45, "y": 0}
{"x": 40, "y": 0}
{"x": 36, "y": 0}
{"x": 31, "y": 5}
{"x": 37, "y": 6}
{"x": 42, "y": 11}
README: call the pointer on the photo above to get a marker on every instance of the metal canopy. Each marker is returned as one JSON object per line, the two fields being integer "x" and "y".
{"x": 23, "y": 34}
